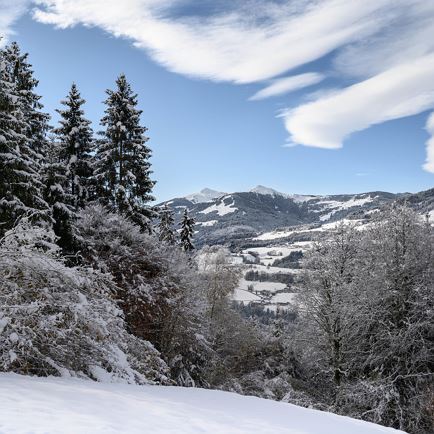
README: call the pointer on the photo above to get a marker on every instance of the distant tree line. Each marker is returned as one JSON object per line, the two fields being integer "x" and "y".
{"x": 262, "y": 276}
{"x": 290, "y": 261}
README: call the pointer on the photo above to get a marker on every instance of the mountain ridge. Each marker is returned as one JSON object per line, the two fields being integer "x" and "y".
{"x": 229, "y": 216}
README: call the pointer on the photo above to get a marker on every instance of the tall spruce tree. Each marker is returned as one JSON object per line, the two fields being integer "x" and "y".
{"x": 56, "y": 178}
{"x": 20, "y": 152}
{"x": 187, "y": 231}
{"x": 123, "y": 169}
{"x": 75, "y": 147}
{"x": 165, "y": 227}
{"x": 36, "y": 122}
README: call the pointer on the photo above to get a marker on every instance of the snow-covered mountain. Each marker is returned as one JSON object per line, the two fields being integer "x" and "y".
{"x": 260, "y": 189}
{"x": 226, "y": 217}
{"x": 205, "y": 195}
{"x": 31, "y": 405}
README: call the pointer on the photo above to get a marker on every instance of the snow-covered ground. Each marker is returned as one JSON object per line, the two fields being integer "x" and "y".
{"x": 264, "y": 293}
{"x": 244, "y": 296}
{"x": 221, "y": 208}
{"x": 283, "y": 233}
{"x": 30, "y": 405}
{"x": 272, "y": 270}
{"x": 283, "y": 297}
{"x": 208, "y": 223}
{"x": 268, "y": 287}
{"x": 267, "y": 255}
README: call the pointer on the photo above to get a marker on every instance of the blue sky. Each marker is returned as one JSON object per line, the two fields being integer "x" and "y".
{"x": 359, "y": 124}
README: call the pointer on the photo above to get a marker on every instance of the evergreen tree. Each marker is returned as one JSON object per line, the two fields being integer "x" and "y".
{"x": 56, "y": 179}
{"x": 36, "y": 122}
{"x": 20, "y": 160}
{"x": 166, "y": 232}
{"x": 187, "y": 231}
{"x": 122, "y": 162}
{"x": 75, "y": 140}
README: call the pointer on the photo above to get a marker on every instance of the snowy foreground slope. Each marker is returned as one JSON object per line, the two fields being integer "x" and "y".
{"x": 52, "y": 405}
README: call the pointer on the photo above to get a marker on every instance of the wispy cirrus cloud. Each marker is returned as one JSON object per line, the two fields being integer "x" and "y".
{"x": 429, "y": 163}
{"x": 384, "y": 48}
{"x": 256, "y": 41}
{"x": 10, "y": 11}
{"x": 288, "y": 84}
{"x": 403, "y": 90}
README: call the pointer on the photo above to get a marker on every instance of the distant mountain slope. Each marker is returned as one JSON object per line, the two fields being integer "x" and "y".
{"x": 221, "y": 217}
{"x": 205, "y": 195}
{"x": 31, "y": 405}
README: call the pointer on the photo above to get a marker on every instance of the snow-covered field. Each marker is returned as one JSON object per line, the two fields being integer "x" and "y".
{"x": 243, "y": 296}
{"x": 261, "y": 286}
{"x": 267, "y": 255}
{"x": 264, "y": 293}
{"x": 30, "y": 405}
{"x": 273, "y": 270}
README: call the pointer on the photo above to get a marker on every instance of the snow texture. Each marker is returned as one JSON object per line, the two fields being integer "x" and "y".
{"x": 221, "y": 208}
{"x": 34, "y": 405}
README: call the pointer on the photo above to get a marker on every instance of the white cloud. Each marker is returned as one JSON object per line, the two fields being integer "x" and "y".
{"x": 409, "y": 36}
{"x": 249, "y": 44}
{"x": 10, "y": 11}
{"x": 385, "y": 45}
{"x": 429, "y": 163}
{"x": 288, "y": 84}
{"x": 403, "y": 90}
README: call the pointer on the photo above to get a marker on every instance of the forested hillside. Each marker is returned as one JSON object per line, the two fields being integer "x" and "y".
{"x": 234, "y": 218}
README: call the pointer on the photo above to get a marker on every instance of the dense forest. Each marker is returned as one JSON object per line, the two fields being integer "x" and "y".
{"x": 96, "y": 282}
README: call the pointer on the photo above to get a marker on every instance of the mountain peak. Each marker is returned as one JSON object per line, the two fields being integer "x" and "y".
{"x": 205, "y": 195}
{"x": 260, "y": 189}
{"x": 298, "y": 198}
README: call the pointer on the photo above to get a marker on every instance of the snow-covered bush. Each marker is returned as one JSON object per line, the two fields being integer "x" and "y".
{"x": 112, "y": 244}
{"x": 56, "y": 320}
{"x": 159, "y": 290}
{"x": 185, "y": 337}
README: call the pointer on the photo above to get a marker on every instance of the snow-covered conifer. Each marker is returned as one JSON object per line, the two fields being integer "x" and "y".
{"x": 20, "y": 159}
{"x": 187, "y": 232}
{"x": 75, "y": 146}
{"x": 166, "y": 225}
{"x": 36, "y": 122}
{"x": 123, "y": 169}
{"x": 57, "y": 196}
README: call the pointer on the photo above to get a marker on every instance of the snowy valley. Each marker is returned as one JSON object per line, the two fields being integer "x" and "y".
{"x": 263, "y": 227}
